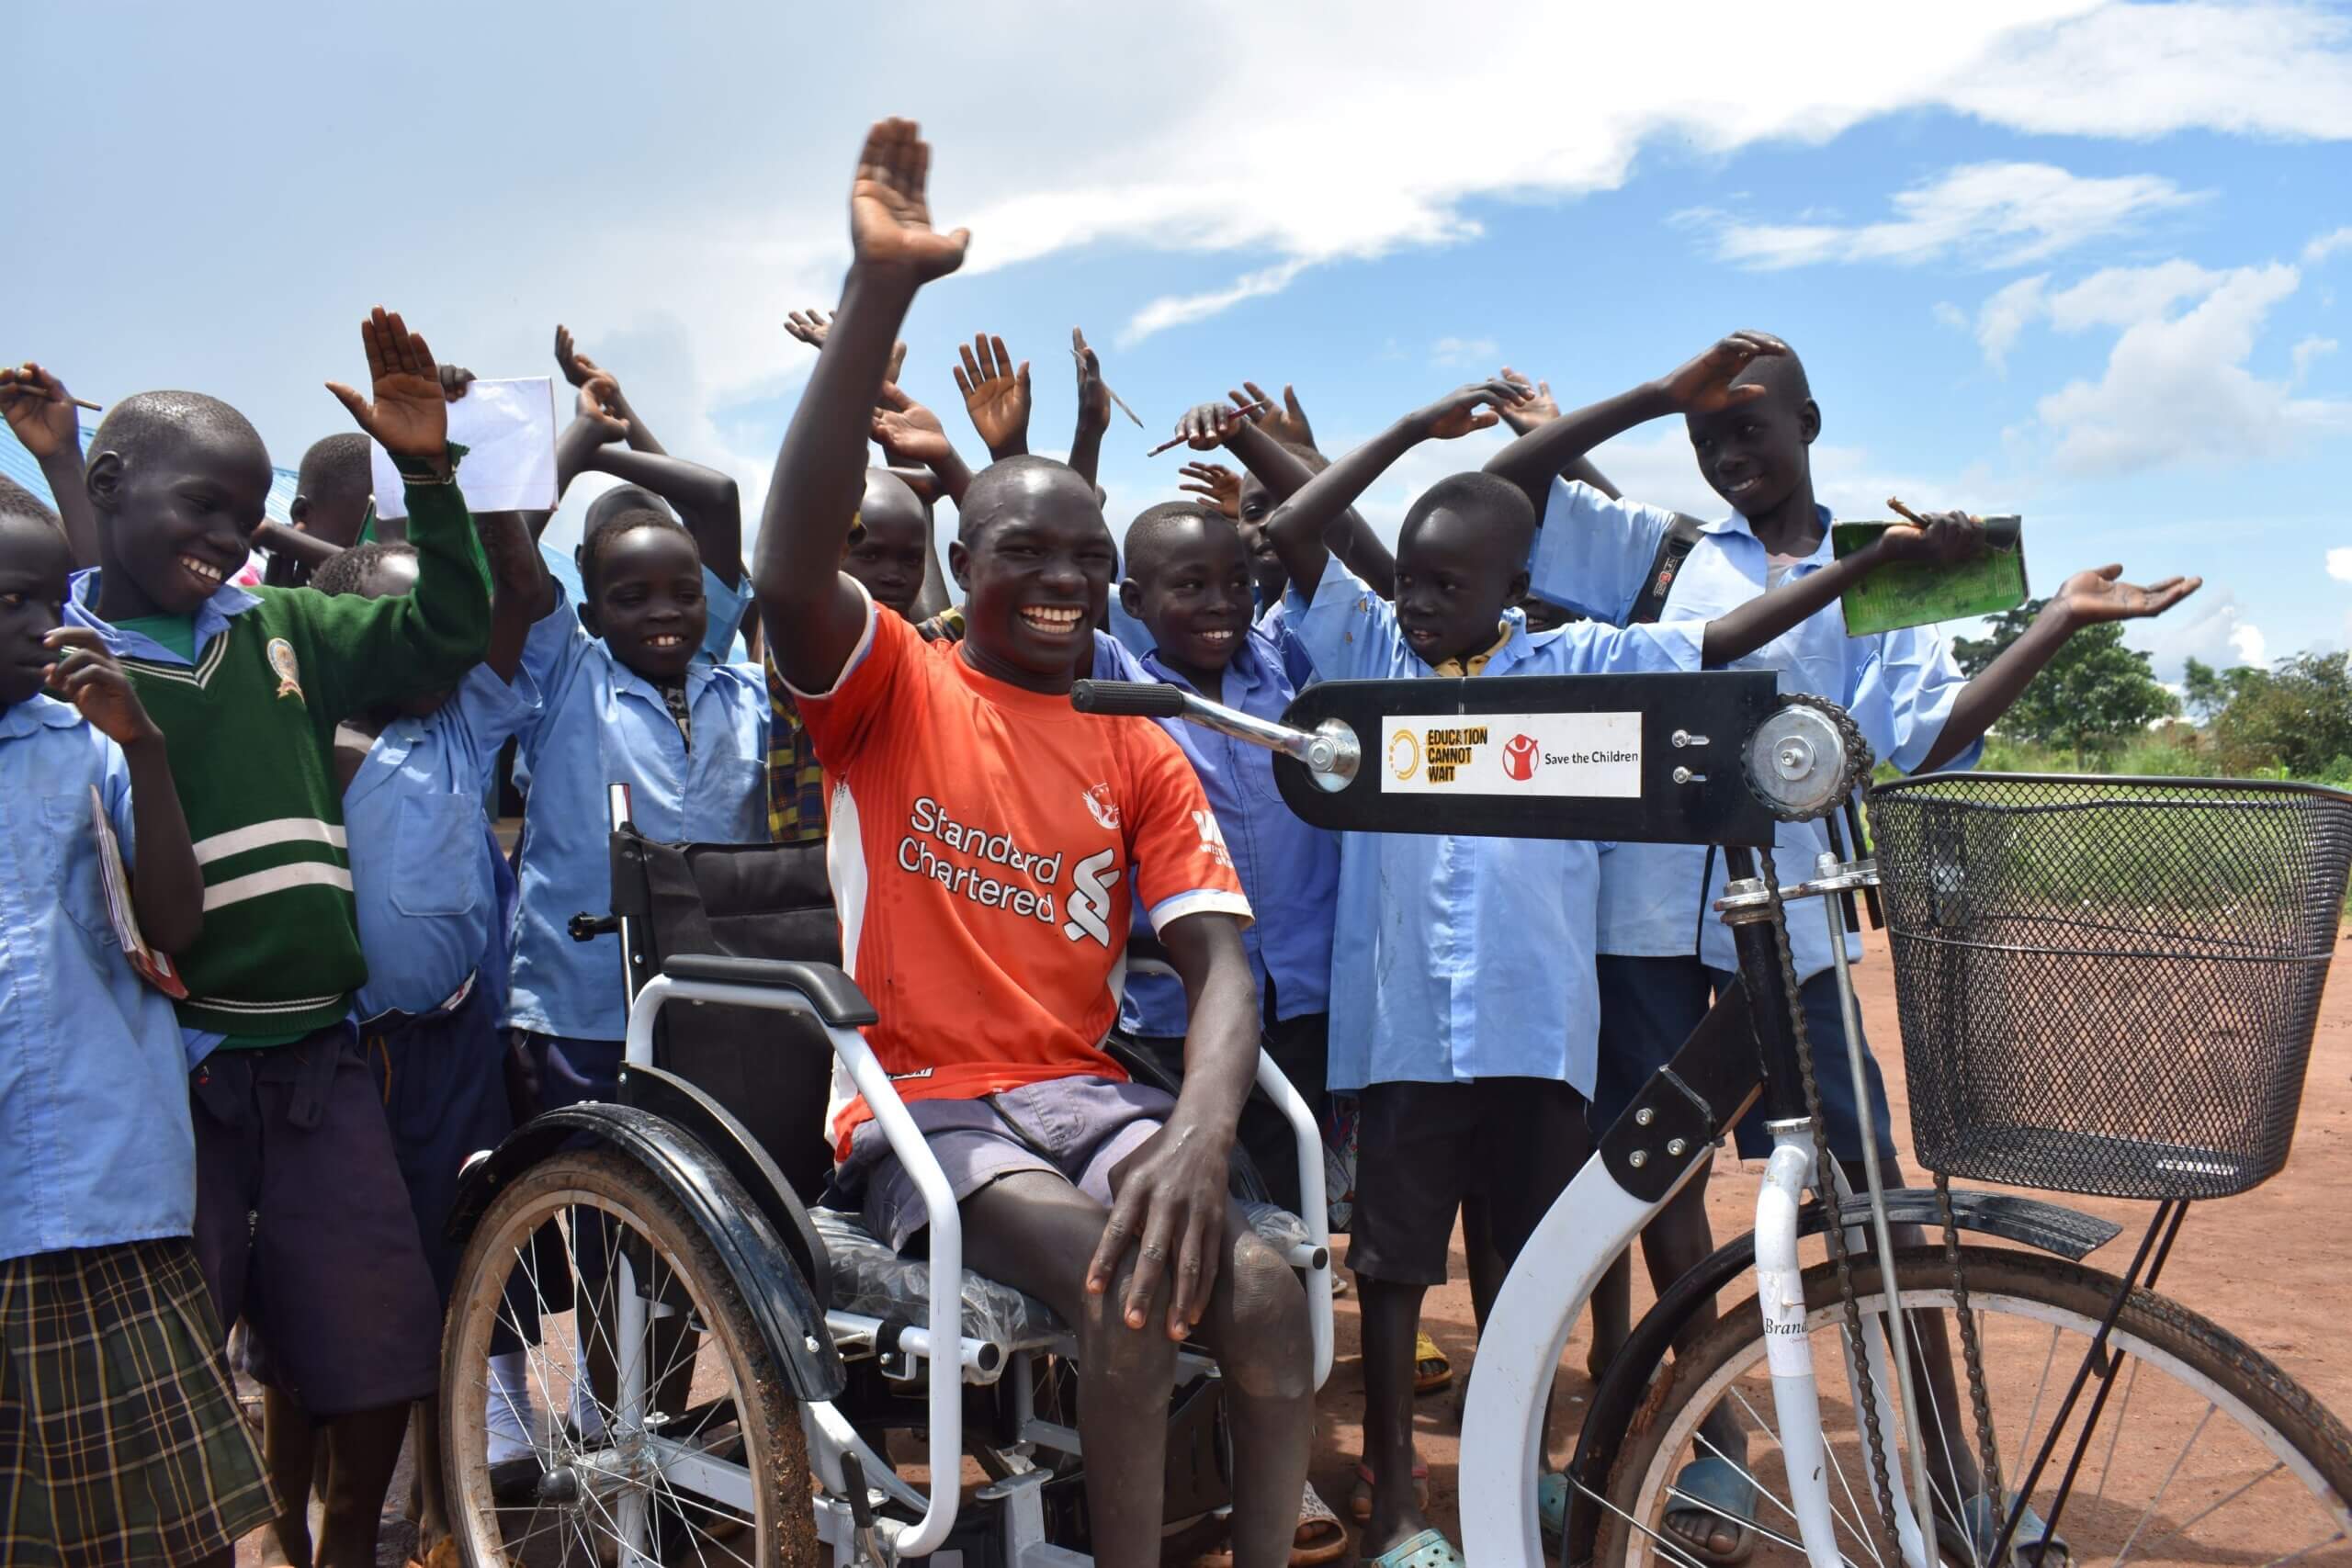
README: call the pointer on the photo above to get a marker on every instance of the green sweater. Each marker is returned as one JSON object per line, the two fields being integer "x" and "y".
{"x": 250, "y": 731}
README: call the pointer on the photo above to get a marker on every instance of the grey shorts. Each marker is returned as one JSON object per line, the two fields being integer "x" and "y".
{"x": 1078, "y": 1128}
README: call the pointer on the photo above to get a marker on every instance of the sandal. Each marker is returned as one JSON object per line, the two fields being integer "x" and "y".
{"x": 1985, "y": 1527}
{"x": 1551, "y": 1506}
{"x": 1321, "y": 1537}
{"x": 1428, "y": 1550}
{"x": 1431, "y": 1371}
{"x": 1715, "y": 1487}
{"x": 1360, "y": 1494}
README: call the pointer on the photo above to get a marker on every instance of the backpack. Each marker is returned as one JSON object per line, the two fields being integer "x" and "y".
{"x": 1681, "y": 538}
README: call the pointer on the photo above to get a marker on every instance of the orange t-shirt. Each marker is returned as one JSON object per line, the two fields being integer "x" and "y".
{"x": 981, "y": 840}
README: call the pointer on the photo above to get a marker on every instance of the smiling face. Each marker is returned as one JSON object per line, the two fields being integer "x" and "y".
{"x": 1190, "y": 583}
{"x": 34, "y": 564}
{"x": 648, "y": 601}
{"x": 1034, "y": 564}
{"x": 889, "y": 554}
{"x": 1453, "y": 579}
{"x": 1754, "y": 454}
{"x": 174, "y": 519}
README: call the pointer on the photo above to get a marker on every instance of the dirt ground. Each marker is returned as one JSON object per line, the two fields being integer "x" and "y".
{"x": 2269, "y": 1266}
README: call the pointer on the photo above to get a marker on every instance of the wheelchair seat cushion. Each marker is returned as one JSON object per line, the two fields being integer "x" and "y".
{"x": 871, "y": 1280}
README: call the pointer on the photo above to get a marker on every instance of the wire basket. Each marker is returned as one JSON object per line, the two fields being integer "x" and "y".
{"x": 2108, "y": 984}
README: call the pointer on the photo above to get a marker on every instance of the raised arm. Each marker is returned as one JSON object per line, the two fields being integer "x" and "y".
{"x": 593, "y": 426}
{"x": 578, "y": 368}
{"x": 40, "y": 412}
{"x": 911, "y": 436}
{"x": 1093, "y": 409}
{"x": 707, "y": 502}
{"x": 1949, "y": 537}
{"x": 995, "y": 394}
{"x": 522, "y": 591}
{"x": 813, "y": 616}
{"x": 1700, "y": 386}
{"x": 1540, "y": 409}
{"x": 1300, "y": 526}
{"x": 166, "y": 887}
{"x": 2085, "y": 599}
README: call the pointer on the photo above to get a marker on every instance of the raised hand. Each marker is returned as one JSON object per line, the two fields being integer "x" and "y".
{"x": 1459, "y": 412}
{"x": 455, "y": 378}
{"x": 910, "y": 435}
{"x": 995, "y": 394}
{"x": 1942, "y": 537}
{"x": 889, "y": 213}
{"x": 2097, "y": 595}
{"x": 407, "y": 416}
{"x": 576, "y": 366}
{"x": 1093, "y": 395}
{"x": 599, "y": 395}
{"x": 1286, "y": 425}
{"x": 1541, "y": 407}
{"x": 39, "y": 409}
{"x": 1205, "y": 426}
{"x": 811, "y": 325}
{"x": 1703, "y": 385}
{"x": 87, "y": 675}
{"x": 1220, "y": 484}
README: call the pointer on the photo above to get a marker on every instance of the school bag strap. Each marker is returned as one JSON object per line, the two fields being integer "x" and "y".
{"x": 1681, "y": 538}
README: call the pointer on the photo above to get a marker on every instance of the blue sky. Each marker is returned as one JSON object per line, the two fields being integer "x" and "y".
{"x": 2090, "y": 263}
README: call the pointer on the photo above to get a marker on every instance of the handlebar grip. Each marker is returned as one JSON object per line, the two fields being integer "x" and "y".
{"x": 1139, "y": 699}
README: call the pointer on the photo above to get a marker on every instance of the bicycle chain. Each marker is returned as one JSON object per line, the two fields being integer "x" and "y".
{"x": 1989, "y": 1454}
{"x": 1824, "y": 1189}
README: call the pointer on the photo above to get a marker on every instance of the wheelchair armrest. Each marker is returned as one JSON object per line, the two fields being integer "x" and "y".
{"x": 834, "y": 996}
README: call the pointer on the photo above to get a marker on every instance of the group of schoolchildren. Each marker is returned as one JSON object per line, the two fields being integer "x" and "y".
{"x": 299, "y": 779}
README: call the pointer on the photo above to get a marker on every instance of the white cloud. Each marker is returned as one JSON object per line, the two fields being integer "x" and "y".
{"x": 1174, "y": 310}
{"x": 2307, "y": 353}
{"x": 2327, "y": 244}
{"x": 1948, "y": 315}
{"x": 2177, "y": 387}
{"x": 2339, "y": 563}
{"x": 1460, "y": 351}
{"x": 2005, "y": 315}
{"x": 2121, "y": 296}
{"x": 2210, "y": 627}
{"x": 1993, "y": 214}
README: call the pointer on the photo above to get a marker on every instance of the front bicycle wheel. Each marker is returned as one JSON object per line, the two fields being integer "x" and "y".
{"x": 659, "y": 1427}
{"x": 2206, "y": 1452}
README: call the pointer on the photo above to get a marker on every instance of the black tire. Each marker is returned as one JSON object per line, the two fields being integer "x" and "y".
{"x": 2022, "y": 1293}
{"x": 765, "y": 1434}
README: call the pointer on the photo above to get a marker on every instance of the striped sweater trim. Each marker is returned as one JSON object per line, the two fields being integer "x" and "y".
{"x": 277, "y": 879}
{"x": 261, "y": 835}
{"x": 267, "y": 1010}
{"x": 200, "y": 674}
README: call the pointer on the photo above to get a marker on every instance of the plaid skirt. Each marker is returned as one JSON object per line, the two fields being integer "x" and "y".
{"x": 120, "y": 1440}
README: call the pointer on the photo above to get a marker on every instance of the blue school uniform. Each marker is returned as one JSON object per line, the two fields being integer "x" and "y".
{"x": 96, "y": 1143}
{"x": 722, "y": 643}
{"x": 599, "y": 723}
{"x": 1457, "y": 958}
{"x": 1289, "y": 871}
{"x": 1592, "y": 556}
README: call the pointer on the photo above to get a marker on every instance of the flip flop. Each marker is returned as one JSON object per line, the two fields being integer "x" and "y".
{"x": 1551, "y": 1506}
{"x": 1428, "y": 1550}
{"x": 1431, "y": 1371}
{"x": 1321, "y": 1537}
{"x": 1715, "y": 1486}
{"x": 1360, "y": 1494}
{"x": 1985, "y": 1527}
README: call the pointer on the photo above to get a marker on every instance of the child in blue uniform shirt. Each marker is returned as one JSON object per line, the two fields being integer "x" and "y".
{"x": 1473, "y": 1041}
{"x": 1188, "y": 584}
{"x": 120, "y": 1440}
{"x": 1752, "y": 420}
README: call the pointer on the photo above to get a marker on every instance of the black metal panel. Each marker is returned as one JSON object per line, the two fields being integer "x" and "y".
{"x": 1724, "y": 707}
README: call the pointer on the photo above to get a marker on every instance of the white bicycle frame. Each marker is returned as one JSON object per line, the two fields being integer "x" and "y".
{"x": 941, "y": 1336}
{"x": 1592, "y": 1224}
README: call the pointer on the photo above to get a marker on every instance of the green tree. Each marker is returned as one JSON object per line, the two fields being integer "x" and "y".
{"x": 2297, "y": 715}
{"x": 2090, "y": 698}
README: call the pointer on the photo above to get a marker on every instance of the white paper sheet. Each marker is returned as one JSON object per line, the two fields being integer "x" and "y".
{"x": 508, "y": 431}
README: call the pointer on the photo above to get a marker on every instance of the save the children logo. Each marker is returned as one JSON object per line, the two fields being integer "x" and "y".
{"x": 281, "y": 660}
{"x": 1404, "y": 754}
{"x": 1102, "y": 807}
{"x": 1520, "y": 757}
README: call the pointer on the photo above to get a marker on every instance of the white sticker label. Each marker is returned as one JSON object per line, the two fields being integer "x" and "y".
{"x": 1553, "y": 754}
{"x": 1781, "y": 1293}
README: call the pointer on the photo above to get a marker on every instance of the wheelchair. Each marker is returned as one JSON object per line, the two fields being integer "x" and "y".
{"x": 722, "y": 1369}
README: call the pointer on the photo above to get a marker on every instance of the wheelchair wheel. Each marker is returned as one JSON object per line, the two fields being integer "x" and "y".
{"x": 657, "y": 1421}
{"x": 2207, "y": 1453}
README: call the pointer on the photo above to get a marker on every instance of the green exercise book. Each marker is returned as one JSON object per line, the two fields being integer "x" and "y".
{"x": 1919, "y": 594}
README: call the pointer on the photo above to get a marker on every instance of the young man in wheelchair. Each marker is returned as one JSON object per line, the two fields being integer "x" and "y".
{"x": 983, "y": 834}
